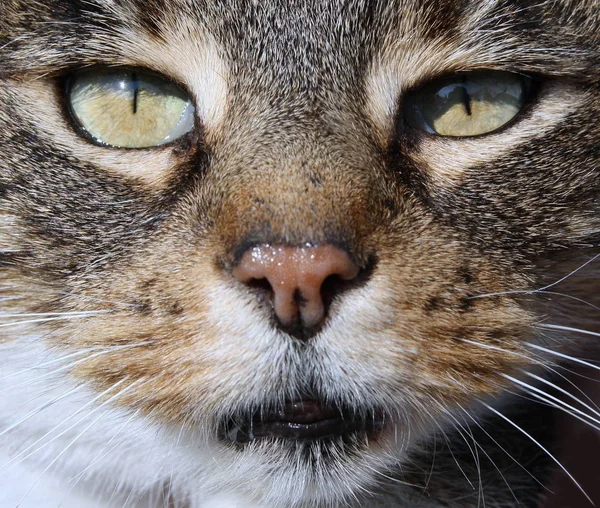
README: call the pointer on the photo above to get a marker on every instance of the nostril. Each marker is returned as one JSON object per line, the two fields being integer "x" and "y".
{"x": 262, "y": 289}
{"x": 260, "y": 284}
{"x": 334, "y": 286}
{"x": 301, "y": 281}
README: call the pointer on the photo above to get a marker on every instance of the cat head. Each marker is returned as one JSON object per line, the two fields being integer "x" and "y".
{"x": 346, "y": 220}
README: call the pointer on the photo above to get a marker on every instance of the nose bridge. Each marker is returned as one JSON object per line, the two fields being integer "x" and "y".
{"x": 296, "y": 186}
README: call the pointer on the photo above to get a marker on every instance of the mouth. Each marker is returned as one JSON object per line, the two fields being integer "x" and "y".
{"x": 303, "y": 420}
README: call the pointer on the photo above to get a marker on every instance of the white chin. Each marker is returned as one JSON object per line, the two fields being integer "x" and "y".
{"x": 327, "y": 472}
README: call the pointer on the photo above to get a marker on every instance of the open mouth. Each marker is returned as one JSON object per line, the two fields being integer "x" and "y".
{"x": 302, "y": 420}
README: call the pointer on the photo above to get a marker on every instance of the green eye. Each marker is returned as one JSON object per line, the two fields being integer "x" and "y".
{"x": 467, "y": 105}
{"x": 129, "y": 109}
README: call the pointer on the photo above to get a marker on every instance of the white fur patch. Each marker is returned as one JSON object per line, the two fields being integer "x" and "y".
{"x": 58, "y": 439}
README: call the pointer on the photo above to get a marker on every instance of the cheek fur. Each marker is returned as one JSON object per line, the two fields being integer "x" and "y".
{"x": 200, "y": 344}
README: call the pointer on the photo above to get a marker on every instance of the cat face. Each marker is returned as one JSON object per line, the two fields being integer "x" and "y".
{"x": 301, "y": 138}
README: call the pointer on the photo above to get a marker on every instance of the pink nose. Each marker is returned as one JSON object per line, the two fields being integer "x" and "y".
{"x": 296, "y": 276}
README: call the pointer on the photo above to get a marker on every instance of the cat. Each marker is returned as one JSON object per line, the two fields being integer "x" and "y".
{"x": 296, "y": 253}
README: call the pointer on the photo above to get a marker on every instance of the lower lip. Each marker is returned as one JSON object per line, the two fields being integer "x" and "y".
{"x": 303, "y": 427}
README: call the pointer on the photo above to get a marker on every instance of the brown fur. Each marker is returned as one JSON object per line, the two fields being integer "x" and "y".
{"x": 302, "y": 143}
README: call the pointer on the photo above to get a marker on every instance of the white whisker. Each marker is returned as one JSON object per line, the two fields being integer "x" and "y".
{"x": 554, "y": 459}
{"x": 565, "y": 392}
{"x": 76, "y": 438}
{"x": 556, "y": 402}
{"x": 99, "y": 352}
{"x": 503, "y": 449}
{"x": 445, "y": 436}
{"x": 571, "y": 297}
{"x": 431, "y": 469}
{"x": 562, "y": 355}
{"x": 45, "y": 320}
{"x": 537, "y": 360}
{"x": 562, "y": 408}
{"x": 490, "y": 459}
{"x": 127, "y": 500}
{"x": 567, "y": 380}
{"x": 566, "y": 329}
{"x": 42, "y": 377}
{"x": 581, "y": 267}
{"x": 542, "y": 289}
{"x": 104, "y": 451}
{"x": 39, "y": 409}
{"x": 51, "y": 362}
{"x": 3, "y": 469}
{"x": 456, "y": 425}
{"x": 177, "y": 443}
{"x": 53, "y": 314}
{"x": 28, "y": 290}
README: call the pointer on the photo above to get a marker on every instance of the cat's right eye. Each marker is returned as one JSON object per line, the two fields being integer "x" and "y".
{"x": 127, "y": 108}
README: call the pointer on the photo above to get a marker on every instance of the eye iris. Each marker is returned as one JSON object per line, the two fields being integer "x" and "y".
{"x": 129, "y": 109}
{"x": 467, "y": 105}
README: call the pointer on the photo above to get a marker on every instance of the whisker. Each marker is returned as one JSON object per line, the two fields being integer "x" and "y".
{"x": 38, "y": 410}
{"x": 563, "y": 391}
{"x": 38, "y": 379}
{"x": 394, "y": 480}
{"x": 566, "y": 329}
{"x": 431, "y": 469}
{"x": 502, "y": 448}
{"x": 537, "y": 360}
{"x": 100, "y": 351}
{"x": 49, "y": 319}
{"x": 3, "y": 469}
{"x": 71, "y": 313}
{"x": 495, "y": 466}
{"x": 537, "y": 443}
{"x": 581, "y": 267}
{"x": 445, "y": 436}
{"x": 76, "y": 438}
{"x": 481, "y": 495}
{"x": 562, "y": 355}
{"x": 103, "y": 452}
{"x": 562, "y": 408}
{"x": 28, "y": 290}
{"x": 51, "y": 362}
{"x": 567, "y": 380}
{"x": 571, "y": 297}
{"x": 177, "y": 443}
{"x": 16, "y": 39}
{"x": 128, "y": 498}
{"x": 456, "y": 424}
{"x": 538, "y": 290}
{"x": 532, "y": 390}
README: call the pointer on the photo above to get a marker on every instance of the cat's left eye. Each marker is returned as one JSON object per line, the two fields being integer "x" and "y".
{"x": 128, "y": 108}
{"x": 470, "y": 104}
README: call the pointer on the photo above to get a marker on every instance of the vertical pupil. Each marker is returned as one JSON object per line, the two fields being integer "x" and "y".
{"x": 136, "y": 91}
{"x": 466, "y": 98}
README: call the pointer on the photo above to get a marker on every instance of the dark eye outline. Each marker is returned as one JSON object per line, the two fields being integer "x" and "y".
{"x": 65, "y": 83}
{"x": 531, "y": 85}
